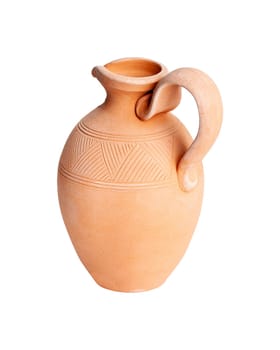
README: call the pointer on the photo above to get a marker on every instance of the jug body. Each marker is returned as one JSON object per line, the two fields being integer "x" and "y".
{"x": 127, "y": 216}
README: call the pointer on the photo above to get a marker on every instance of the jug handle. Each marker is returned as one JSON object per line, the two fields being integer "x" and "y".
{"x": 166, "y": 96}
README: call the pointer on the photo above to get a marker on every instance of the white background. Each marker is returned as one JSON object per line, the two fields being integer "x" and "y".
{"x": 225, "y": 293}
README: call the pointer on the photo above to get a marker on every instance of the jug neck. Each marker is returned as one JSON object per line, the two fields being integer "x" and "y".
{"x": 126, "y": 80}
{"x": 121, "y": 101}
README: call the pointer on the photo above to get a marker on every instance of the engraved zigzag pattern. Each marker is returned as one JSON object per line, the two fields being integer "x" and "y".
{"x": 75, "y": 146}
{"x": 115, "y": 154}
{"x": 139, "y": 167}
{"x": 118, "y": 162}
{"x": 92, "y": 164}
{"x": 160, "y": 151}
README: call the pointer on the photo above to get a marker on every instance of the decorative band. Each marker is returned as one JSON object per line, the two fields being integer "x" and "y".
{"x": 107, "y": 136}
{"x": 125, "y": 186}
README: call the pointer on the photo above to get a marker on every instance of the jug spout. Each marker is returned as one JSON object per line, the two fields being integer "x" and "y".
{"x": 130, "y": 74}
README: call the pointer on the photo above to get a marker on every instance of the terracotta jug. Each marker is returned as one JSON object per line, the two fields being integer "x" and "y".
{"x": 130, "y": 177}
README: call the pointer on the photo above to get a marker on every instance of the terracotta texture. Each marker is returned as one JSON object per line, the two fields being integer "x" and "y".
{"x": 130, "y": 177}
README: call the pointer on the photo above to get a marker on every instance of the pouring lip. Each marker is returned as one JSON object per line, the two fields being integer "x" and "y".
{"x": 130, "y": 74}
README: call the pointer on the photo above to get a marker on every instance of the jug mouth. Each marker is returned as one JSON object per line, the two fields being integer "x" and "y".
{"x": 130, "y": 74}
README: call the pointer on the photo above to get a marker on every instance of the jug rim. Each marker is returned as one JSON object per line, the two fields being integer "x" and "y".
{"x": 130, "y": 74}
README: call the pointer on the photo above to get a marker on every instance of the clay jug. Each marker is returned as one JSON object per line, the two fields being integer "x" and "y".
{"x": 130, "y": 179}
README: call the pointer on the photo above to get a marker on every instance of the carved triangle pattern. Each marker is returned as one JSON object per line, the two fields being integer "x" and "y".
{"x": 115, "y": 154}
{"x": 140, "y": 166}
{"x": 118, "y": 161}
{"x": 75, "y": 146}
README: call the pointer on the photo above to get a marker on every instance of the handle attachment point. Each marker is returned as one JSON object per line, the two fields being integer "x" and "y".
{"x": 166, "y": 96}
{"x": 188, "y": 177}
